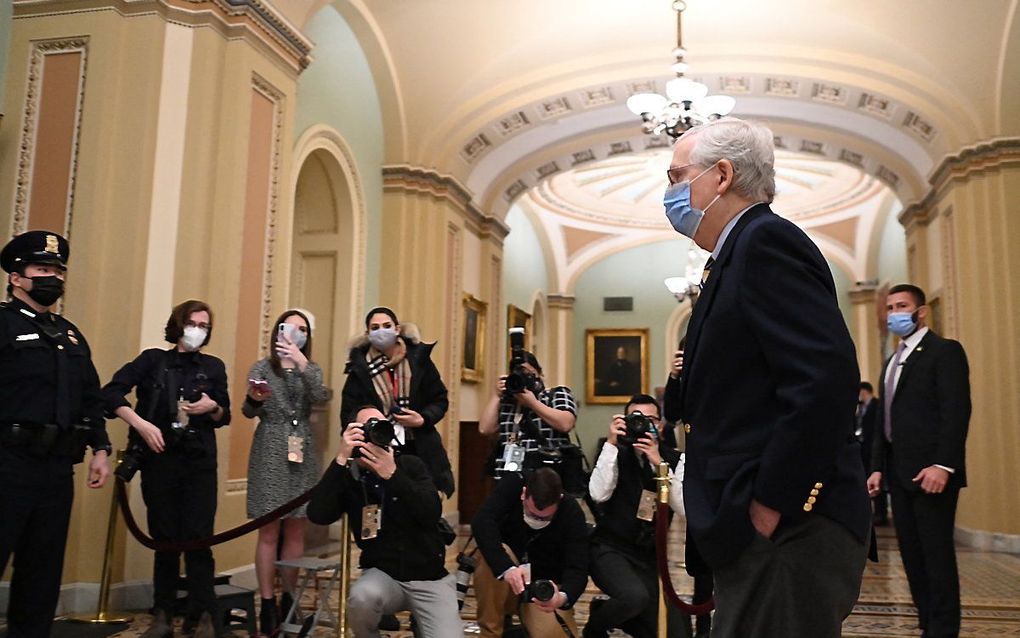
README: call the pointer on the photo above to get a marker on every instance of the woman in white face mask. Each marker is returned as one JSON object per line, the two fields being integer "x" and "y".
{"x": 182, "y": 398}
{"x": 284, "y": 459}
{"x": 391, "y": 369}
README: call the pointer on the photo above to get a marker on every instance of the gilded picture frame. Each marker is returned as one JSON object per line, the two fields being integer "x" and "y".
{"x": 473, "y": 342}
{"x": 616, "y": 364}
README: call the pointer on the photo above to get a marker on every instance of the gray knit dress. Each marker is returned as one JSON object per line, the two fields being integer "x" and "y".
{"x": 272, "y": 479}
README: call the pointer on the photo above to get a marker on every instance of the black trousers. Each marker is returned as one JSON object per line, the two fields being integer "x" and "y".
{"x": 803, "y": 581}
{"x": 180, "y": 498}
{"x": 924, "y": 528}
{"x": 632, "y": 584}
{"x": 35, "y": 510}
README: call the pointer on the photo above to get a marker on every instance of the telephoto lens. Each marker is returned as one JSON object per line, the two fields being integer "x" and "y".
{"x": 465, "y": 567}
{"x": 541, "y": 590}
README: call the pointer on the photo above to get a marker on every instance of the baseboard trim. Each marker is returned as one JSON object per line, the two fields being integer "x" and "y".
{"x": 988, "y": 541}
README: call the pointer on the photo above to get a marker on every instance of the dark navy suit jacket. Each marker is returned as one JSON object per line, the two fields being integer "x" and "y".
{"x": 930, "y": 414}
{"x": 768, "y": 391}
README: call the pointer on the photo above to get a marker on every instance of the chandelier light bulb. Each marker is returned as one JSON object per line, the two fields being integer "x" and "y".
{"x": 640, "y": 103}
{"x": 679, "y": 67}
{"x": 715, "y": 105}
{"x": 685, "y": 90}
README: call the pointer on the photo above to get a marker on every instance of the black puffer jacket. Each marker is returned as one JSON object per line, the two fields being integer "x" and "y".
{"x": 427, "y": 397}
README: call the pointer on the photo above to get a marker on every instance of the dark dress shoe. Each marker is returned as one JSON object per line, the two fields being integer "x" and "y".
{"x": 389, "y": 622}
{"x": 159, "y": 628}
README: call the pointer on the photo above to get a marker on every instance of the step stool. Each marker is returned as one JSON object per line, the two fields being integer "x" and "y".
{"x": 308, "y": 568}
{"x": 229, "y": 598}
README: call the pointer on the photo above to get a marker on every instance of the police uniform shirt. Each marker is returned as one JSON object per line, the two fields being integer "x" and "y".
{"x": 30, "y": 344}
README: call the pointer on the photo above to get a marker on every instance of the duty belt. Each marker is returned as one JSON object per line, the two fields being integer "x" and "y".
{"x": 44, "y": 439}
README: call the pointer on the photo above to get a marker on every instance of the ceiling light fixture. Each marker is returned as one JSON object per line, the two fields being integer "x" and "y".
{"x": 686, "y": 103}
{"x": 689, "y": 285}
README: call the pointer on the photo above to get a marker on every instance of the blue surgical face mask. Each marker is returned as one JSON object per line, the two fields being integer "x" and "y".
{"x": 901, "y": 324}
{"x": 679, "y": 211}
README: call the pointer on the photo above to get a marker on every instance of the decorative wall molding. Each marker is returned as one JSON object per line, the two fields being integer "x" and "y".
{"x": 977, "y": 158}
{"x": 565, "y": 302}
{"x": 277, "y": 97}
{"x": 404, "y": 177}
{"x": 30, "y": 125}
{"x": 254, "y": 20}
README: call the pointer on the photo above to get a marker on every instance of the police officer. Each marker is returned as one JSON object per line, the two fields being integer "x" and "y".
{"x": 50, "y": 409}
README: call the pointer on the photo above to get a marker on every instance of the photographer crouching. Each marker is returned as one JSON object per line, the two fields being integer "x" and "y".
{"x": 534, "y": 546}
{"x": 527, "y": 416}
{"x": 393, "y": 507}
{"x": 622, "y": 555}
{"x": 182, "y": 398}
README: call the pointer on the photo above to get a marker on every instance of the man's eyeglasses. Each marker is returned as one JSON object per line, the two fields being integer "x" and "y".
{"x": 675, "y": 173}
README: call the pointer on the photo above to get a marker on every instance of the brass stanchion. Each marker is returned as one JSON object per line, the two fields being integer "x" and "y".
{"x": 102, "y": 615}
{"x": 662, "y": 481}
{"x": 345, "y": 576}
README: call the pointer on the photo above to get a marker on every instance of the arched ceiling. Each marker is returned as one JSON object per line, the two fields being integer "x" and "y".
{"x": 605, "y": 206}
{"x": 481, "y": 89}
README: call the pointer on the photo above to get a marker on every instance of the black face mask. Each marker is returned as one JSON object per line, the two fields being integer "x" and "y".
{"x": 46, "y": 289}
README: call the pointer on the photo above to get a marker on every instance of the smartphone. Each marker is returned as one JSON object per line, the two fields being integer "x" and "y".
{"x": 258, "y": 384}
{"x": 397, "y": 410}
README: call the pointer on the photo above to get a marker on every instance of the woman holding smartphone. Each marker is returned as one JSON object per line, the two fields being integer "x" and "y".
{"x": 182, "y": 398}
{"x": 284, "y": 461}
{"x": 390, "y": 368}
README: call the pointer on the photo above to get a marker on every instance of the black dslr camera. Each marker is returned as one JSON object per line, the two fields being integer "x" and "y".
{"x": 377, "y": 431}
{"x": 517, "y": 381}
{"x": 541, "y": 590}
{"x": 638, "y": 425}
{"x": 138, "y": 450}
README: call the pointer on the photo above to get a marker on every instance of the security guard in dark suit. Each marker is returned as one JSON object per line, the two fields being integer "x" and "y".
{"x": 50, "y": 409}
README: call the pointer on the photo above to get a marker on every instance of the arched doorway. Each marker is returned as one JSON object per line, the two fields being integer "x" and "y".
{"x": 327, "y": 263}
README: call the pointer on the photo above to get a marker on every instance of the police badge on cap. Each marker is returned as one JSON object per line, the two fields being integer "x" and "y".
{"x": 35, "y": 247}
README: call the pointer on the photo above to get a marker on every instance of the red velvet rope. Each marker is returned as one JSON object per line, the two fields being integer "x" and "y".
{"x": 200, "y": 543}
{"x": 661, "y": 539}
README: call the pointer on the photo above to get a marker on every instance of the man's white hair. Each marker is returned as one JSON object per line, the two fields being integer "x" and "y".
{"x": 747, "y": 145}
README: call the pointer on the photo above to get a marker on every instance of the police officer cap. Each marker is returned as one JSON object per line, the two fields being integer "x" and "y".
{"x": 35, "y": 247}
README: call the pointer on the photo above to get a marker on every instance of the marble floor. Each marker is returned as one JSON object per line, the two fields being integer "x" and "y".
{"x": 990, "y": 586}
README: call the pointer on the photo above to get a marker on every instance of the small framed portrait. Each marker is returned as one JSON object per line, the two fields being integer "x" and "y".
{"x": 616, "y": 365}
{"x": 473, "y": 363}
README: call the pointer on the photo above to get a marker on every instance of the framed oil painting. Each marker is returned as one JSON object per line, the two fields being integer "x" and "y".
{"x": 616, "y": 364}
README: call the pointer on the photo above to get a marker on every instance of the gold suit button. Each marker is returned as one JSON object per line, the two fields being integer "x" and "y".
{"x": 818, "y": 486}
{"x": 687, "y": 428}
{"x": 811, "y": 500}
{"x": 807, "y": 507}
{"x": 814, "y": 492}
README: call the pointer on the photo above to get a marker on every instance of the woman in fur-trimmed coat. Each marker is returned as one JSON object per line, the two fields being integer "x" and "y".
{"x": 390, "y": 368}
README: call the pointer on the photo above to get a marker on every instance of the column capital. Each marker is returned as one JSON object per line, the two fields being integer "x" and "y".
{"x": 562, "y": 302}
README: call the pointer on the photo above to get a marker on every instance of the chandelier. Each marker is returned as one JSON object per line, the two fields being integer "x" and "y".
{"x": 686, "y": 103}
{"x": 688, "y": 286}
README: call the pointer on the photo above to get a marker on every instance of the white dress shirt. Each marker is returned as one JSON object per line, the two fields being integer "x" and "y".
{"x": 606, "y": 474}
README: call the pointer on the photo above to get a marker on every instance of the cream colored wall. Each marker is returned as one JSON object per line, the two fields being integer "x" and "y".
{"x": 965, "y": 240}
{"x": 156, "y": 215}
{"x": 434, "y": 252}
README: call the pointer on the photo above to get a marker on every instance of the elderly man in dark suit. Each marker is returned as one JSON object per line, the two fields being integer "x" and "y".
{"x": 774, "y": 487}
{"x": 925, "y": 415}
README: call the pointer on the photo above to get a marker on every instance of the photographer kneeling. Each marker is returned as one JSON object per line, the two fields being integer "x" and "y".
{"x": 623, "y": 546}
{"x": 393, "y": 508}
{"x": 182, "y": 398}
{"x": 534, "y": 545}
{"x": 527, "y": 416}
